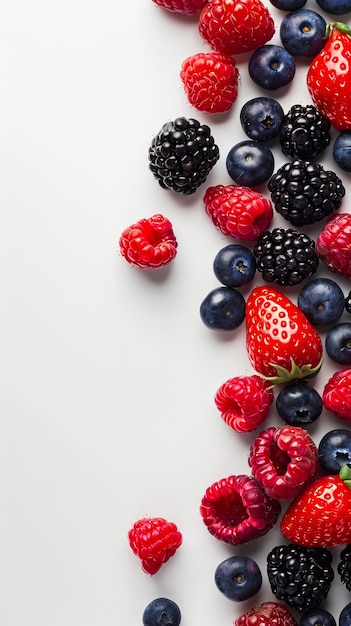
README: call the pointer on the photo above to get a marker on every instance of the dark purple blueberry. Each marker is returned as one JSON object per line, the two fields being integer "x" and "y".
{"x": 223, "y": 309}
{"x": 234, "y": 265}
{"x": 302, "y": 32}
{"x": 338, "y": 343}
{"x": 335, "y": 7}
{"x": 334, "y": 450}
{"x": 345, "y": 616}
{"x": 249, "y": 163}
{"x": 238, "y": 578}
{"x": 342, "y": 150}
{"x": 160, "y": 612}
{"x": 261, "y": 118}
{"x": 272, "y": 67}
{"x": 317, "y": 617}
{"x": 288, "y": 5}
{"x": 299, "y": 404}
{"x": 322, "y": 301}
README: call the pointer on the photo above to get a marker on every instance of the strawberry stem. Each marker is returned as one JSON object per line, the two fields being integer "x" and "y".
{"x": 343, "y": 28}
{"x": 284, "y": 375}
{"x": 345, "y": 474}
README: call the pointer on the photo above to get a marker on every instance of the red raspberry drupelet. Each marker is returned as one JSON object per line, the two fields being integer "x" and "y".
{"x": 154, "y": 540}
{"x": 149, "y": 243}
{"x": 244, "y": 402}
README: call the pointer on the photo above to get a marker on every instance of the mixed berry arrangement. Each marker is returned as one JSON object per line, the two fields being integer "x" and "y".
{"x": 293, "y": 482}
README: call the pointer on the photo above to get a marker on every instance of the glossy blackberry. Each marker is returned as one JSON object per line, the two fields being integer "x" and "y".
{"x": 344, "y": 567}
{"x": 304, "y": 133}
{"x": 301, "y": 577}
{"x": 182, "y": 155}
{"x": 304, "y": 192}
{"x": 285, "y": 256}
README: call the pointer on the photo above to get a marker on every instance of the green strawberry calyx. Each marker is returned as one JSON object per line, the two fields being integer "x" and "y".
{"x": 343, "y": 28}
{"x": 345, "y": 474}
{"x": 285, "y": 375}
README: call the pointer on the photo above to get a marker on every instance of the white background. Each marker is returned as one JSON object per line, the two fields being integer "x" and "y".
{"x": 108, "y": 374}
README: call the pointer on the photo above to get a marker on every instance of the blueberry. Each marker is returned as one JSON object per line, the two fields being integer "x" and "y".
{"x": 223, "y": 309}
{"x": 271, "y": 66}
{"x": 302, "y": 32}
{"x": 345, "y": 616}
{"x": 288, "y": 5}
{"x": 299, "y": 404}
{"x": 249, "y": 163}
{"x": 342, "y": 150}
{"x": 317, "y": 617}
{"x": 238, "y": 578}
{"x": 334, "y": 450}
{"x": 322, "y": 301}
{"x": 261, "y": 118}
{"x": 160, "y": 612}
{"x": 336, "y": 7}
{"x": 338, "y": 343}
{"x": 234, "y": 265}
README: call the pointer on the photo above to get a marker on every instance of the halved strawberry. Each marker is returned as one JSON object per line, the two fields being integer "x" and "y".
{"x": 281, "y": 343}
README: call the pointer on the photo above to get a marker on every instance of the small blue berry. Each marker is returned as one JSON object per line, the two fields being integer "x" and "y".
{"x": 288, "y": 5}
{"x": 334, "y": 450}
{"x": 342, "y": 150}
{"x": 234, "y": 265}
{"x": 272, "y": 67}
{"x": 322, "y": 301}
{"x": 338, "y": 343}
{"x": 223, "y": 309}
{"x": 250, "y": 163}
{"x": 335, "y": 7}
{"x": 345, "y": 616}
{"x": 238, "y": 578}
{"x": 317, "y": 617}
{"x": 162, "y": 612}
{"x": 302, "y": 32}
{"x": 261, "y": 118}
{"x": 299, "y": 404}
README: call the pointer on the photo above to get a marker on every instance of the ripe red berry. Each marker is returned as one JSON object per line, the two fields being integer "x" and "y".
{"x": 284, "y": 460}
{"x": 237, "y": 509}
{"x": 267, "y": 614}
{"x": 244, "y": 402}
{"x": 210, "y": 81}
{"x": 149, "y": 243}
{"x": 336, "y": 394}
{"x": 235, "y": 27}
{"x": 333, "y": 244}
{"x": 154, "y": 540}
{"x": 237, "y": 211}
{"x": 189, "y": 7}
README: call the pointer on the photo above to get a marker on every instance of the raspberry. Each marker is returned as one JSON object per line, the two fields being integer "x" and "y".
{"x": 333, "y": 244}
{"x": 244, "y": 402}
{"x": 336, "y": 394}
{"x": 189, "y": 7}
{"x": 149, "y": 243}
{"x": 267, "y": 614}
{"x": 238, "y": 211}
{"x": 154, "y": 540}
{"x": 284, "y": 460}
{"x": 236, "y": 510}
{"x": 210, "y": 81}
{"x": 236, "y": 27}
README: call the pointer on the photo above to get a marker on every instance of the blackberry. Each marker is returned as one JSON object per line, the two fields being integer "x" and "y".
{"x": 285, "y": 256}
{"x": 304, "y": 132}
{"x": 348, "y": 303}
{"x": 304, "y": 192}
{"x": 301, "y": 577}
{"x": 344, "y": 567}
{"x": 182, "y": 154}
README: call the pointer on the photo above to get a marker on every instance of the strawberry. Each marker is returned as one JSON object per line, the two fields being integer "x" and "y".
{"x": 210, "y": 81}
{"x": 329, "y": 77}
{"x": 189, "y": 7}
{"x": 282, "y": 344}
{"x": 320, "y": 515}
{"x": 234, "y": 27}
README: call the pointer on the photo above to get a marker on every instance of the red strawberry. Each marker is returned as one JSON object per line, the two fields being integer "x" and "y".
{"x": 244, "y": 402}
{"x": 154, "y": 540}
{"x": 233, "y": 27}
{"x": 337, "y": 394}
{"x": 210, "y": 81}
{"x": 188, "y": 7}
{"x": 281, "y": 343}
{"x": 320, "y": 515}
{"x": 329, "y": 77}
{"x": 267, "y": 614}
{"x": 333, "y": 244}
{"x": 149, "y": 243}
{"x": 237, "y": 211}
